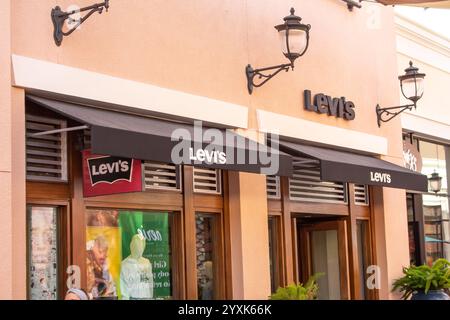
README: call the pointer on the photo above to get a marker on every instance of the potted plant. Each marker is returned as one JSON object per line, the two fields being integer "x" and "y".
{"x": 425, "y": 282}
{"x": 299, "y": 291}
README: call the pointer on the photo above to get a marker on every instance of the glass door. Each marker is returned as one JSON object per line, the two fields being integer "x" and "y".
{"x": 323, "y": 249}
{"x": 209, "y": 256}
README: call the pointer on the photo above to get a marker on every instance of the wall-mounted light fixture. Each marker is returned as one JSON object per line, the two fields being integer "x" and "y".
{"x": 59, "y": 17}
{"x": 351, "y": 4}
{"x": 294, "y": 37}
{"x": 435, "y": 182}
{"x": 411, "y": 85}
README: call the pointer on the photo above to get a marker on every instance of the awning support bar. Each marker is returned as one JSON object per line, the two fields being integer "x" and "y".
{"x": 44, "y": 133}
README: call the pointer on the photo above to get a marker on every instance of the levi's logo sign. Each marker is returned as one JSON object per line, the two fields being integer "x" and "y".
{"x": 324, "y": 104}
{"x": 110, "y": 169}
{"x": 105, "y": 175}
{"x": 208, "y": 156}
{"x": 380, "y": 177}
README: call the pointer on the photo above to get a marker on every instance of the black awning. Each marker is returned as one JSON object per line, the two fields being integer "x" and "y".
{"x": 340, "y": 166}
{"x": 139, "y": 137}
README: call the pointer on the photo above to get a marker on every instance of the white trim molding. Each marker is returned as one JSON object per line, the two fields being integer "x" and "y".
{"x": 48, "y": 77}
{"x": 321, "y": 134}
{"x": 426, "y": 127}
{"x": 419, "y": 43}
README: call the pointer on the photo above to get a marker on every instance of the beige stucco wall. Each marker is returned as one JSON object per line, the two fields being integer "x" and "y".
{"x": 12, "y": 172}
{"x": 6, "y": 264}
{"x": 203, "y": 48}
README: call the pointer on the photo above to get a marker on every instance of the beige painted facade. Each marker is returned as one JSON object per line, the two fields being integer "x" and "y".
{"x": 202, "y": 49}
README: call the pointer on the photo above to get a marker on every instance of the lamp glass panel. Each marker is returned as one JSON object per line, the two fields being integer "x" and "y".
{"x": 409, "y": 87}
{"x": 435, "y": 185}
{"x": 297, "y": 41}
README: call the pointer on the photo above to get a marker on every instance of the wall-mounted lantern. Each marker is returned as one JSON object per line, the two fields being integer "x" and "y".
{"x": 435, "y": 182}
{"x": 411, "y": 85}
{"x": 352, "y": 3}
{"x": 294, "y": 37}
{"x": 59, "y": 17}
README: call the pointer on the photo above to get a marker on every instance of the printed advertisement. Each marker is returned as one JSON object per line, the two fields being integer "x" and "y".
{"x": 43, "y": 275}
{"x": 154, "y": 229}
{"x": 128, "y": 255}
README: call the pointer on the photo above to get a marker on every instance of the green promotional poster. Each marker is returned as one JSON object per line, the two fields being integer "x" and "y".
{"x": 145, "y": 266}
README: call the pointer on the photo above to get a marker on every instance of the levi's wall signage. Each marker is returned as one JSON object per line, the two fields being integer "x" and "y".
{"x": 411, "y": 157}
{"x": 103, "y": 175}
{"x": 325, "y": 104}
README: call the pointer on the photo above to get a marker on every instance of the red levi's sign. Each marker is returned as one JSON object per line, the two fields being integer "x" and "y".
{"x": 103, "y": 175}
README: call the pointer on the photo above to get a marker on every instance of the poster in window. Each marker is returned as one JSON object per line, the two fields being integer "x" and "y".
{"x": 145, "y": 272}
{"x": 103, "y": 255}
{"x": 128, "y": 255}
{"x": 43, "y": 272}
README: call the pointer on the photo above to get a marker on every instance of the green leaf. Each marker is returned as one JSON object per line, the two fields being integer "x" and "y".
{"x": 298, "y": 291}
{"x": 424, "y": 278}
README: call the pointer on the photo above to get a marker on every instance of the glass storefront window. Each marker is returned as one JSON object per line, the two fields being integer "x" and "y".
{"x": 434, "y": 160}
{"x": 274, "y": 255}
{"x": 205, "y": 255}
{"x": 412, "y": 230}
{"x": 436, "y": 206}
{"x": 42, "y": 253}
{"x": 128, "y": 254}
{"x": 362, "y": 232}
{"x": 325, "y": 258}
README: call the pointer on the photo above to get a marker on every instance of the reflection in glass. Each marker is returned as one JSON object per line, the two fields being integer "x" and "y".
{"x": 272, "y": 254}
{"x": 412, "y": 230}
{"x": 325, "y": 258}
{"x": 362, "y": 229}
{"x": 205, "y": 256}
{"x": 436, "y": 207}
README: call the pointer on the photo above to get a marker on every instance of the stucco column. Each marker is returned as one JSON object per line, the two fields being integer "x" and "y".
{"x": 249, "y": 236}
{"x": 18, "y": 194}
{"x": 391, "y": 234}
{"x": 396, "y": 226}
{"x": 6, "y": 263}
{"x": 12, "y": 171}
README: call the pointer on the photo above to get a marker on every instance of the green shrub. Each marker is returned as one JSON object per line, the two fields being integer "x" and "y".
{"x": 299, "y": 291}
{"x": 424, "y": 278}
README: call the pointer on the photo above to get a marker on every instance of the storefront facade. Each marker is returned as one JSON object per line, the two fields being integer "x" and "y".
{"x": 211, "y": 232}
{"x": 427, "y": 132}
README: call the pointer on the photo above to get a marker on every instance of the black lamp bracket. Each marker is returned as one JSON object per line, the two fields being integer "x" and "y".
{"x": 352, "y": 3}
{"x": 59, "y": 17}
{"x": 261, "y": 74}
{"x": 387, "y": 114}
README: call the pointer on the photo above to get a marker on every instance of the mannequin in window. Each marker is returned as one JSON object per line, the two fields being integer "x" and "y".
{"x": 136, "y": 275}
